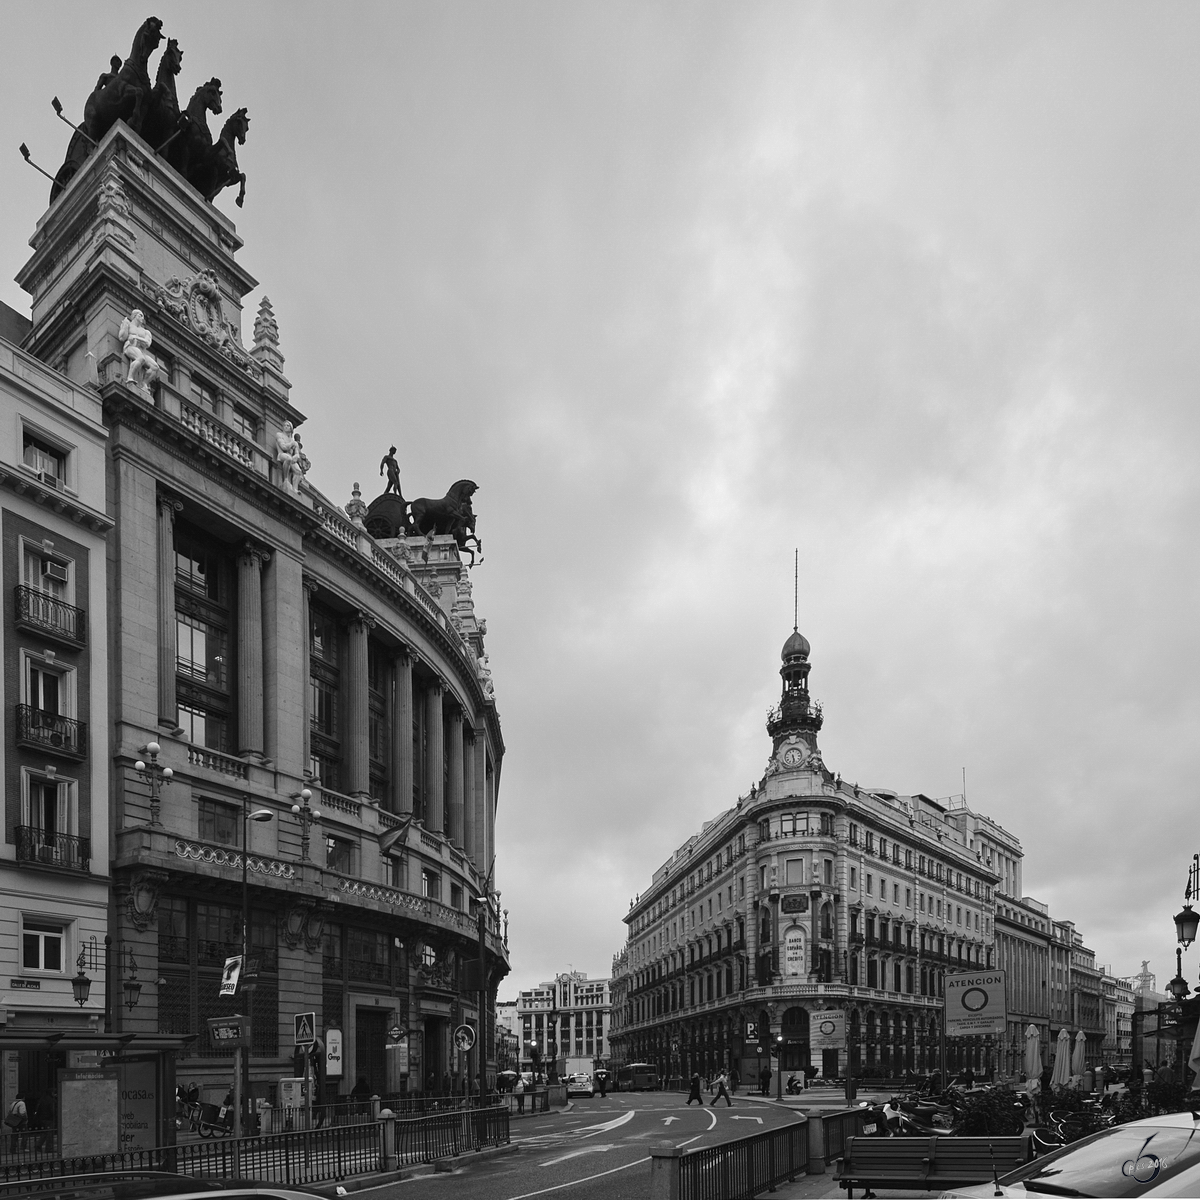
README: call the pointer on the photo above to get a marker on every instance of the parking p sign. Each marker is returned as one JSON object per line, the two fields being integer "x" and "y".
{"x": 975, "y": 1004}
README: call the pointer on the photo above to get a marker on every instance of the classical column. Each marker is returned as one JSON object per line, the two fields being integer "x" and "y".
{"x": 357, "y": 739}
{"x": 454, "y": 801}
{"x": 402, "y": 735}
{"x": 168, "y": 712}
{"x": 489, "y": 816}
{"x": 310, "y": 590}
{"x": 469, "y": 800}
{"x": 479, "y": 801}
{"x": 434, "y": 759}
{"x": 250, "y": 650}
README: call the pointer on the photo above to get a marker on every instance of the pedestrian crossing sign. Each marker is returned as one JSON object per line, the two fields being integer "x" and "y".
{"x": 306, "y": 1026}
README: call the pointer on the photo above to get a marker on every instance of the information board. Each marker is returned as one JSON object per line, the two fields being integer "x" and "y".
{"x": 88, "y": 1111}
{"x": 975, "y": 1004}
{"x": 139, "y": 1104}
{"x": 827, "y": 1030}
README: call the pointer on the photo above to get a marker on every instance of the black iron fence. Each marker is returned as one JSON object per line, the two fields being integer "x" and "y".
{"x": 51, "y": 615}
{"x": 741, "y": 1169}
{"x": 288, "y": 1158}
{"x": 51, "y": 731}
{"x": 53, "y": 849}
{"x": 444, "y": 1135}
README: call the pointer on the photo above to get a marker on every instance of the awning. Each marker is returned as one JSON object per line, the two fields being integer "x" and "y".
{"x": 115, "y": 1043}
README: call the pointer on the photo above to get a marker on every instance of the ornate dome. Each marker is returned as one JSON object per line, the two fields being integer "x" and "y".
{"x": 797, "y": 644}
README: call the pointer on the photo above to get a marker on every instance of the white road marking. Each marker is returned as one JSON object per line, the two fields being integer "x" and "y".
{"x": 637, "y": 1162}
{"x": 668, "y": 1120}
{"x": 712, "y": 1120}
{"x": 758, "y": 1119}
{"x": 576, "y": 1153}
{"x": 613, "y": 1124}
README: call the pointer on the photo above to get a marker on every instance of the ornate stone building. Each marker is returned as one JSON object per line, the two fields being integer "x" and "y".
{"x": 567, "y": 1019}
{"x": 813, "y": 914}
{"x": 279, "y": 657}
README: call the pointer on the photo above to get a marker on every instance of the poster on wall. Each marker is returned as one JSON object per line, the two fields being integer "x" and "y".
{"x": 793, "y": 952}
{"x": 333, "y": 1054}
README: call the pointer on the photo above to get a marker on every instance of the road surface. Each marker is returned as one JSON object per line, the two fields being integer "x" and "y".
{"x": 598, "y": 1149}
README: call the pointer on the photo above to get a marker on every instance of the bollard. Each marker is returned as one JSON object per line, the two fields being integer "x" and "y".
{"x": 816, "y": 1145}
{"x": 374, "y": 1108}
{"x": 389, "y": 1141}
{"x": 664, "y": 1171}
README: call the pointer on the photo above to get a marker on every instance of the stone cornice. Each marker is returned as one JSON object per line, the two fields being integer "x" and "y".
{"x": 27, "y": 484}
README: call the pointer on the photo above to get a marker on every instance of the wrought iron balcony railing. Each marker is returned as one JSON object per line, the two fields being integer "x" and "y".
{"x": 50, "y": 731}
{"x": 50, "y": 849}
{"x": 37, "y": 610}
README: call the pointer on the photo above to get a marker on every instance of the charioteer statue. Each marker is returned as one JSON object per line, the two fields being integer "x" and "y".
{"x": 183, "y": 139}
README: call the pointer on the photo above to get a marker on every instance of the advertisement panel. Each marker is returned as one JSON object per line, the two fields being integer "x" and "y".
{"x": 793, "y": 952}
{"x": 975, "y": 1004}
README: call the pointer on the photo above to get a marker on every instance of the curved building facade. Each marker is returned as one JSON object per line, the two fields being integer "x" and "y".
{"x": 814, "y": 918}
{"x": 285, "y": 664}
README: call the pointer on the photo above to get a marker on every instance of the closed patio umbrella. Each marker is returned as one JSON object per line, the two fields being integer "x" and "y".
{"x": 1062, "y": 1060}
{"x": 1078, "y": 1053}
{"x": 1033, "y": 1053}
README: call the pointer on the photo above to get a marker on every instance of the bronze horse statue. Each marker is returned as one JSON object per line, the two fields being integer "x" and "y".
{"x": 80, "y": 147}
{"x": 188, "y": 151}
{"x": 220, "y": 167}
{"x": 451, "y": 515}
{"x": 162, "y": 122}
{"x": 127, "y": 96}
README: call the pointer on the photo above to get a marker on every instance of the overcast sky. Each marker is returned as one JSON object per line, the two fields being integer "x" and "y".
{"x": 911, "y": 287}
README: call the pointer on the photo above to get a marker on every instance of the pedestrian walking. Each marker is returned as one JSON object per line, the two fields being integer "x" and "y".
{"x": 17, "y": 1119}
{"x": 694, "y": 1092}
{"x": 721, "y": 1082}
{"x": 735, "y": 1080}
{"x": 45, "y": 1120}
{"x": 519, "y": 1092}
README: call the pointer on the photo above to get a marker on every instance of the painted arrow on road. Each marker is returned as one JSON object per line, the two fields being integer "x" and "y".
{"x": 758, "y": 1119}
{"x": 668, "y": 1120}
{"x": 576, "y": 1153}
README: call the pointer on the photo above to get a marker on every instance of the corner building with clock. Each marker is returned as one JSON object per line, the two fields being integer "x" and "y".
{"x": 814, "y": 916}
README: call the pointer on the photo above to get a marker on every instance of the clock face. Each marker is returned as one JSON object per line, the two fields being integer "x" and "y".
{"x": 793, "y": 756}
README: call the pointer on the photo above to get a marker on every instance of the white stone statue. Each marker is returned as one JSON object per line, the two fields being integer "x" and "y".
{"x": 135, "y": 337}
{"x": 485, "y": 677}
{"x": 290, "y": 457}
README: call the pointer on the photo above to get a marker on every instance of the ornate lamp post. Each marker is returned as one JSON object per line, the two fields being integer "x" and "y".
{"x": 154, "y": 774}
{"x": 1187, "y": 921}
{"x": 307, "y": 818}
{"x": 259, "y": 814}
{"x": 133, "y": 985}
{"x": 81, "y": 985}
{"x": 1178, "y": 987}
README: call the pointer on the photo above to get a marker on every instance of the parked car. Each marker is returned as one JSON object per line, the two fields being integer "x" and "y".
{"x": 1158, "y": 1156}
{"x": 580, "y": 1084}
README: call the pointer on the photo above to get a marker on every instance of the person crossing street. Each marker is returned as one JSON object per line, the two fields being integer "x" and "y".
{"x": 722, "y": 1081}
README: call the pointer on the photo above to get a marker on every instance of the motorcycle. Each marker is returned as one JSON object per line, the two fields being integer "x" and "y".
{"x": 875, "y": 1119}
{"x": 794, "y": 1086}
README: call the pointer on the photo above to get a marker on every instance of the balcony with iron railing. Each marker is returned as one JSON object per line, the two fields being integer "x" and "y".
{"x": 41, "y": 730}
{"x": 43, "y": 614}
{"x": 48, "y": 849}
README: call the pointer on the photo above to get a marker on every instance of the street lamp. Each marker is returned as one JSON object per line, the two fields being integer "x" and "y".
{"x": 1178, "y": 986}
{"x": 81, "y": 985}
{"x": 133, "y": 985}
{"x": 155, "y": 775}
{"x": 307, "y": 818}
{"x": 483, "y": 910}
{"x": 1187, "y": 921}
{"x": 259, "y": 814}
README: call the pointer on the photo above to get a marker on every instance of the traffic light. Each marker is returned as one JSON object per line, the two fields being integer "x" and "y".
{"x": 777, "y": 1046}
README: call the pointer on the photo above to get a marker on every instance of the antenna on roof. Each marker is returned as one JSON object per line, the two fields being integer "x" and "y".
{"x": 796, "y": 593}
{"x": 964, "y": 770}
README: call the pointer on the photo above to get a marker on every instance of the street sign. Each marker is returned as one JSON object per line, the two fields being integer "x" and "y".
{"x": 827, "y": 1030}
{"x": 333, "y": 1053}
{"x": 396, "y": 1035}
{"x": 975, "y": 1004}
{"x": 306, "y": 1028}
{"x": 464, "y": 1037}
{"x": 228, "y": 1033}
{"x": 230, "y": 976}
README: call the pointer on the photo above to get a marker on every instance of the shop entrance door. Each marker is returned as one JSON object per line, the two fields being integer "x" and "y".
{"x": 370, "y": 1042}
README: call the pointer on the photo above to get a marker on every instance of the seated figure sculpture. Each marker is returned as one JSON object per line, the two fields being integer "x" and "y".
{"x": 136, "y": 339}
{"x": 291, "y": 459}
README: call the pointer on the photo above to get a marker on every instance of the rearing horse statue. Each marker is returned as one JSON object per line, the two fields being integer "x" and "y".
{"x": 125, "y": 97}
{"x": 220, "y": 167}
{"x": 189, "y": 150}
{"x": 451, "y": 515}
{"x": 162, "y": 113}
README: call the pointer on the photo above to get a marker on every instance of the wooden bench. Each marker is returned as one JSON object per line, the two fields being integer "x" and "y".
{"x": 926, "y": 1164}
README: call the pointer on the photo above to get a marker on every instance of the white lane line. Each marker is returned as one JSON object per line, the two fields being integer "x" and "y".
{"x": 573, "y": 1182}
{"x": 613, "y": 1124}
{"x": 576, "y": 1153}
{"x": 712, "y": 1120}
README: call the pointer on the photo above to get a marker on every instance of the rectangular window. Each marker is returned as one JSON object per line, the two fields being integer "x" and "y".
{"x": 895, "y": 893}
{"x": 244, "y": 423}
{"x": 870, "y": 842}
{"x": 218, "y": 823}
{"x": 870, "y": 884}
{"x": 204, "y": 395}
{"x": 430, "y": 885}
{"x": 201, "y": 727}
{"x": 854, "y": 879}
{"x": 43, "y": 945}
{"x": 48, "y": 460}
{"x": 853, "y": 834}
{"x": 201, "y": 651}
{"x": 196, "y": 568}
{"x": 829, "y": 872}
{"x": 339, "y": 855}
{"x": 908, "y": 897}
{"x": 795, "y": 871}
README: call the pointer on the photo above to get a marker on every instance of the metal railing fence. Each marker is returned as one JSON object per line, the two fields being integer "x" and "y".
{"x": 444, "y": 1135}
{"x": 741, "y": 1169}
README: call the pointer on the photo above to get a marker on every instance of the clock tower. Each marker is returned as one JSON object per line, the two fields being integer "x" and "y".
{"x": 793, "y": 723}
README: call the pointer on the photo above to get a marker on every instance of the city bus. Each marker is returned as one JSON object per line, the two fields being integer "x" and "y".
{"x": 637, "y": 1077}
